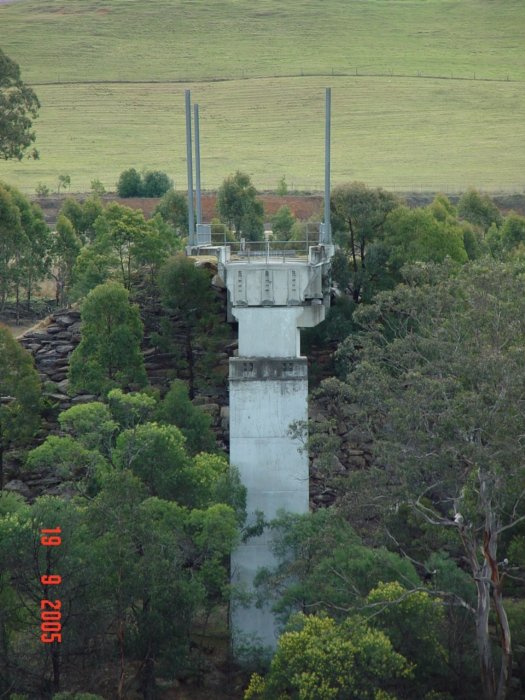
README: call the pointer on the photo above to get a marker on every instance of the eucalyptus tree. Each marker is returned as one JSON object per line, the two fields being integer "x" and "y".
{"x": 109, "y": 353}
{"x": 19, "y": 395}
{"x": 19, "y": 105}
{"x": 436, "y": 380}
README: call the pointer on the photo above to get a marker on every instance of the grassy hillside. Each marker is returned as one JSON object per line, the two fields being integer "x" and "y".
{"x": 407, "y": 112}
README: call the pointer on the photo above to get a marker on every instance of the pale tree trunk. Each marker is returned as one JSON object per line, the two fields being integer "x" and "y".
{"x": 489, "y": 585}
{"x": 480, "y": 575}
{"x": 490, "y": 544}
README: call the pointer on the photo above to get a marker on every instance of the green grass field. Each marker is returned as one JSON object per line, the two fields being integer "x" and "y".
{"x": 407, "y": 112}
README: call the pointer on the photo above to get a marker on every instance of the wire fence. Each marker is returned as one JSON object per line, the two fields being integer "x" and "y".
{"x": 355, "y": 72}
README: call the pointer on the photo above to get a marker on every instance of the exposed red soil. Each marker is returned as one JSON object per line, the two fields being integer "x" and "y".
{"x": 302, "y": 206}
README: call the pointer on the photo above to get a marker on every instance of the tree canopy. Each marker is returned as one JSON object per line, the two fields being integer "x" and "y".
{"x": 19, "y": 394}
{"x": 318, "y": 659}
{"x": 436, "y": 380}
{"x": 187, "y": 295}
{"x": 109, "y": 352}
{"x": 153, "y": 524}
{"x": 238, "y": 206}
{"x": 19, "y": 105}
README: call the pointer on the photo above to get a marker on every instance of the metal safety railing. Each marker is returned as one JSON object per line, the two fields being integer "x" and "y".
{"x": 270, "y": 250}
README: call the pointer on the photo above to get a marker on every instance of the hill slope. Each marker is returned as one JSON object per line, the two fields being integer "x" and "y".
{"x": 407, "y": 111}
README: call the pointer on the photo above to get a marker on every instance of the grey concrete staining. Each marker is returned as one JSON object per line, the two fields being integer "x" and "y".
{"x": 271, "y": 300}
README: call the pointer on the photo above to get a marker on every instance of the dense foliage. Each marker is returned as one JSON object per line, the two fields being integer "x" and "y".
{"x": 18, "y": 107}
{"x": 145, "y": 541}
{"x": 19, "y": 395}
{"x": 409, "y": 586}
{"x": 152, "y": 183}
{"x": 239, "y": 208}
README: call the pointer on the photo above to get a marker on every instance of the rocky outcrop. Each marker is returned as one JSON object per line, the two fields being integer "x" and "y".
{"x": 345, "y": 456}
{"x": 51, "y": 343}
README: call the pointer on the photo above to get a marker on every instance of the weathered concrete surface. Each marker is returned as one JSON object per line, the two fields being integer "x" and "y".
{"x": 268, "y": 393}
{"x": 266, "y": 396}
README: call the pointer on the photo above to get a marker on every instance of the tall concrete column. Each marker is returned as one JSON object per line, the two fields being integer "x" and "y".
{"x": 268, "y": 392}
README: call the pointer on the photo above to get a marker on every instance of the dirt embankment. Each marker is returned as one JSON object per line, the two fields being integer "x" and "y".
{"x": 303, "y": 207}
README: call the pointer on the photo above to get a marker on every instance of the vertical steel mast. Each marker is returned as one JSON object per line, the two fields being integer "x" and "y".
{"x": 191, "y": 223}
{"x": 327, "y": 231}
{"x": 197, "y": 164}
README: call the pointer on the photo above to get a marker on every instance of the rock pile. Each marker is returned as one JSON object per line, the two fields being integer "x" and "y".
{"x": 51, "y": 345}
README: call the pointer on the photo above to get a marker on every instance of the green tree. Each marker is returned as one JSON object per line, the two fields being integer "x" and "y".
{"x": 36, "y": 258}
{"x": 122, "y": 231}
{"x": 317, "y": 554}
{"x": 282, "y": 187}
{"x": 35, "y": 666}
{"x": 109, "y": 353}
{"x": 195, "y": 322}
{"x": 91, "y": 209}
{"x": 479, "y": 210}
{"x": 358, "y": 217}
{"x": 174, "y": 210}
{"x": 72, "y": 209}
{"x": 18, "y": 107}
{"x": 282, "y": 223}
{"x": 157, "y": 455}
{"x": 132, "y": 409}
{"x": 12, "y": 239}
{"x": 435, "y": 379}
{"x": 74, "y": 464}
{"x": 155, "y": 183}
{"x": 24, "y": 245}
{"x": 413, "y": 620}
{"x": 82, "y": 215}
{"x": 415, "y": 235}
{"x": 129, "y": 184}
{"x": 513, "y": 231}
{"x": 177, "y": 409}
{"x": 319, "y": 659}
{"x": 64, "y": 182}
{"x": 157, "y": 568}
{"x": 157, "y": 561}
{"x": 122, "y": 245}
{"x": 97, "y": 188}
{"x": 19, "y": 395}
{"x": 93, "y": 266}
{"x": 238, "y": 207}
{"x": 42, "y": 190}
{"x": 65, "y": 248}
{"x": 91, "y": 424}
{"x": 153, "y": 248}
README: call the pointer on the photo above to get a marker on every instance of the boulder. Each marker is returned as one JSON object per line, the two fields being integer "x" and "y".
{"x": 83, "y": 398}
{"x": 63, "y": 386}
{"x": 18, "y": 486}
{"x": 64, "y": 349}
{"x": 69, "y": 319}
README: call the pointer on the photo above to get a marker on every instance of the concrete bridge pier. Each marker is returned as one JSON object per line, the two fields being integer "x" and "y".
{"x": 268, "y": 393}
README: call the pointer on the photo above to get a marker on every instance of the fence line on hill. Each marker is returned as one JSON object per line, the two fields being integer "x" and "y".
{"x": 243, "y": 75}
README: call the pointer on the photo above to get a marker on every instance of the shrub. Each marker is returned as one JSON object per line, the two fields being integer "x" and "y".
{"x": 155, "y": 183}
{"x": 129, "y": 183}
